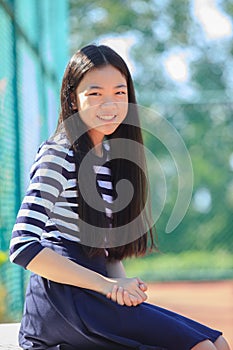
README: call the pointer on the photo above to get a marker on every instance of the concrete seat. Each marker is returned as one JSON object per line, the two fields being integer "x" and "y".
{"x": 9, "y": 336}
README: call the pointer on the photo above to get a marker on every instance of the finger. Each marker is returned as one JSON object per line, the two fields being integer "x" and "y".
{"x": 136, "y": 291}
{"x": 143, "y": 287}
{"x": 108, "y": 295}
{"x": 119, "y": 296}
{"x": 140, "y": 294}
{"x": 142, "y": 284}
{"x": 114, "y": 293}
{"x": 134, "y": 300}
{"x": 134, "y": 297}
{"x": 126, "y": 297}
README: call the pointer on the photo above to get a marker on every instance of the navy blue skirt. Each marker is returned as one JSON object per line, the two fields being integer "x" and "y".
{"x": 58, "y": 316}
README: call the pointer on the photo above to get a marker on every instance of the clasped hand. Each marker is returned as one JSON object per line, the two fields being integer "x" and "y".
{"x": 128, "y": 291}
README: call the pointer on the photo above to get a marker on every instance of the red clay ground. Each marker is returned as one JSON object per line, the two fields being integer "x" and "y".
{"x": 210, "y": 303}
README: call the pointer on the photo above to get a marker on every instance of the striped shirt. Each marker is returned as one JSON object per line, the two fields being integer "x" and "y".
{"x": 49, "y": 208}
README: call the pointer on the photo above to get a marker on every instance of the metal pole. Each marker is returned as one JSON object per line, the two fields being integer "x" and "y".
{"x": 17, "y": 157}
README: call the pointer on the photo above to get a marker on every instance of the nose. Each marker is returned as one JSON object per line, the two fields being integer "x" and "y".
{"x": 107, "y": 98}
{"x": 108, "y": 104}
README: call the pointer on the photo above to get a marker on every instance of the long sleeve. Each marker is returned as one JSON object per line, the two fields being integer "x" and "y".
{"x": 47, "y": 181}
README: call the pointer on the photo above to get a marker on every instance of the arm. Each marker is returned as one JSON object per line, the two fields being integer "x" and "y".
{"x": 49, "y": 177}
{"x": 57, "y": 268}
{"x": 46, "y": 183}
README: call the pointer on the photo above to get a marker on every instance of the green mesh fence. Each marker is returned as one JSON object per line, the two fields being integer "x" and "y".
{"x": 33, "y": 36}
{"x": 33, "y": 54}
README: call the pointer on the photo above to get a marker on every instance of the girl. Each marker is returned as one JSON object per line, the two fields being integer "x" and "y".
{"x": 78, "y": 295}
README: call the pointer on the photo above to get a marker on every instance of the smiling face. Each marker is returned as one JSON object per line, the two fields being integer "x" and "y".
{"x": 102, "y": 101}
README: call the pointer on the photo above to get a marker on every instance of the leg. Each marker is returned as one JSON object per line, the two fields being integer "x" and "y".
{"x": 221, "y": 344}
{"x": 204, "y": 345}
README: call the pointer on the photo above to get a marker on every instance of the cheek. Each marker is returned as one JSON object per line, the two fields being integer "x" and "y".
{"x": 86, "y": 116}
{"x": 87, "y": 106}
{"x": 81, "y": 102}
{"x": 124, "y": 109}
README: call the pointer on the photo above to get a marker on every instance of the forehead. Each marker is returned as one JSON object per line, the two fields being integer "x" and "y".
{"x": 104, "y": 75}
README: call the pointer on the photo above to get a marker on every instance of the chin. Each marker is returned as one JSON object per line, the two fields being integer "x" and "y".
{"x": 109, "y": 131}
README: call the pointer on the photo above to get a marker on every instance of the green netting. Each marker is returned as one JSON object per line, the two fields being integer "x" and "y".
{"x": 33, "y": 36}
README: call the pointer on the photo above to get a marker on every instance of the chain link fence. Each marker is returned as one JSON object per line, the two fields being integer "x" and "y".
{"x": 33, "y": 36}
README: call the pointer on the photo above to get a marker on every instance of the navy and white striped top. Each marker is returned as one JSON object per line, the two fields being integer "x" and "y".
{"x": 49, "y": 208}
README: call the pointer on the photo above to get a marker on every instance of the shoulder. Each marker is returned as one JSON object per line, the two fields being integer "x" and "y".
{"x": 55, "y": 154}
{"x": 54, "y": 146}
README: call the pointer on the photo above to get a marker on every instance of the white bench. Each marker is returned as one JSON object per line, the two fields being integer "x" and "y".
{"x": 9, "y": 336}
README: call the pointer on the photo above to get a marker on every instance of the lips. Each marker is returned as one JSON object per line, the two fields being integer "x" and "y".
{"x": 106, "y": 117}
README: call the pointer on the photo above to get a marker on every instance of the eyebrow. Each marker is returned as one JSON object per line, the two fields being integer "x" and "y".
{"x": 92, "y": 87}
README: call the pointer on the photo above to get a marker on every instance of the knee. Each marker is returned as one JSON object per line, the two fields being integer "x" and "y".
{"x": 221, "y": 343}
{"x": 204, "y": 345}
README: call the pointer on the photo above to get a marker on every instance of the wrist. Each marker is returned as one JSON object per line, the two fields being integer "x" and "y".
{"x": 106, "y": 284}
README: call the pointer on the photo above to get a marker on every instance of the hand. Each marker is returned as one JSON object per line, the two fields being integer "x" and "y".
{"x": 142, "y": 285}
{"x": 128, "y": 291}
{"x": 122, "y": 297}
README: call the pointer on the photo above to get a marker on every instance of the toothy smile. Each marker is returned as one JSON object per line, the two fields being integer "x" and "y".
{"x": 106, "y": 117}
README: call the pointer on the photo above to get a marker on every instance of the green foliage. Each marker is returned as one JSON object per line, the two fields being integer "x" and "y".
{"x": 2, "y": 304}
{"x": 3, "y": 257}
{"x": 199, "y": 107}
{"x": 192, "y": 265}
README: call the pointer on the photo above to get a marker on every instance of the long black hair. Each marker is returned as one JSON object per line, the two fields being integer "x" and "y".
{"x": 84, "y": 60}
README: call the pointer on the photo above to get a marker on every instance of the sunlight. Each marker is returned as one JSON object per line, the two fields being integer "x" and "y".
{"x": 215, "y": 23}
{"x": 202, "y": 200}
{"x": 122, "y": 45}
{"x": 231, "y": 161}
{"x": 176, "y": 66}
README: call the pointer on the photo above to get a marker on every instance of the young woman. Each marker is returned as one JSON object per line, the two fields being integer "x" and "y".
{"x": 78, "y": 295}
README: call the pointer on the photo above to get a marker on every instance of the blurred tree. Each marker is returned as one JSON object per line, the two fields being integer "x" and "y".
{"x": 184, "y": 69}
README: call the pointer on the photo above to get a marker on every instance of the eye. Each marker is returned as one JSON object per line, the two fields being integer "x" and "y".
{"x": 120, "y": 93}
{"x": 94, "y": 94}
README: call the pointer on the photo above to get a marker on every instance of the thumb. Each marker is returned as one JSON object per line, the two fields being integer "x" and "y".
{"x": 142, "y": 285}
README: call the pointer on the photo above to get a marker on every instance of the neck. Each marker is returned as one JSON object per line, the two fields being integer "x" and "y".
{"x": 98, "y": 149}
{"x": 97, "y": 140}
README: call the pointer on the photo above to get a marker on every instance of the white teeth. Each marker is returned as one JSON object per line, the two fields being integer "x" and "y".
{"x": 106, "y": 117}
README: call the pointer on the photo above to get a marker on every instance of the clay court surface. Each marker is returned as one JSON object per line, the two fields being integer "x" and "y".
{"x": 207, "y": 302}
{"x": 210, "y": 303}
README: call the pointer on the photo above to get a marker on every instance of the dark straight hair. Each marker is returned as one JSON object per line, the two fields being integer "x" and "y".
{"x": 84, "y": 60}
